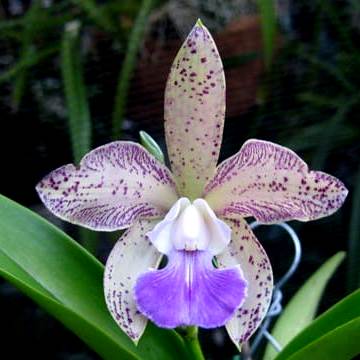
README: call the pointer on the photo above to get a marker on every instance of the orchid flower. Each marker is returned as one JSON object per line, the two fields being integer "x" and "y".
{"x": 194, "y": 213}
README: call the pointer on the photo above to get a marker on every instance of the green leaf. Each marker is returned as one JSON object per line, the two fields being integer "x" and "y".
{"x": 151, "y": 145}
{"x": 341, "y": 343}
{"x": 341, "y": 313}
{"x": 268, "y": 27}
{"x": 301, "y": 309}
{"x": 128, "y": 67}
{"x": 75, "y": 91}
{"x": 66, "y": 280}
{"x": 105, "y": 345}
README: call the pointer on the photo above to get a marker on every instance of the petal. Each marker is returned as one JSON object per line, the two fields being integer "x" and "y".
{"x": 244, "y": 249}
{"x": 114, "y": 185}
{"x": 190, "y": 291}
{"x": 194, "y": 111}
{"x": 220, "y": 232}
{"x": 190, "y": 227}
{"x": 132, "y": 255}
{"x": 161, "y": 234}
{"x": 272, "y": 183}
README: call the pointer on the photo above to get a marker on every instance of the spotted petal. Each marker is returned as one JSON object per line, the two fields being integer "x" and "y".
{"x": 273, "y": 184}
{"x": 132, "y": 255}
{"x": 194, "y": 111}
{"x": 244, "y": 249}
{"x": 114, "y": 185}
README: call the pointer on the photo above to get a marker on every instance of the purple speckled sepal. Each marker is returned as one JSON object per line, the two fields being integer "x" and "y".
{"x": 272, "y": 183}
{"x": 245, "y": 249}
{"x": 194, "y": 111}
{"x": 131, "y": 256}
{"x": 190, "y": 291}
{"x": 114, "y": 185}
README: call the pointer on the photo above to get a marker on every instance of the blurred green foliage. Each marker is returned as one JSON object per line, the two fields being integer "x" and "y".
{"x": 296, "y": 317}
{"x": 269, "y": 27}
{"x": 39, "y": 263}
{"x": 134, "y": 42}
{"x": 38, "y": 34}
{"x": 312, "y": 102}
{"x": 37, "y": 37}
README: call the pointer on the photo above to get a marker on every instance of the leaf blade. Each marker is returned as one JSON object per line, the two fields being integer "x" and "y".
{"x": 344, "y": 311}
{"x": 106, "y": 346}
{"x": 342, "y": 341}
{"x": 296, "y": 316}
{"x": 71, "y": 277}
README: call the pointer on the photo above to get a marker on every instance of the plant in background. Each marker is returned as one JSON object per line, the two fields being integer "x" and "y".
{"x": 319, "y": 96}
{"x": 192, "y": 215}
{"x": 46, "y": 31}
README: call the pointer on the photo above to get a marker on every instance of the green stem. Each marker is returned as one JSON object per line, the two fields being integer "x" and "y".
{"x": 192, "y": 343}
{"x": 268, "y": 29}
{"x": 128, "y": 67}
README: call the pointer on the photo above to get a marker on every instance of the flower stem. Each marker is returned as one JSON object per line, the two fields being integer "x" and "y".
{"x": 192, "y": 343}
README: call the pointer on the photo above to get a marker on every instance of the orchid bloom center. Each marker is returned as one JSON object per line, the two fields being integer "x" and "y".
{"x": 198, "y": 293}
{"x": 190, "y": 227}
{"x": 190, "y": 230}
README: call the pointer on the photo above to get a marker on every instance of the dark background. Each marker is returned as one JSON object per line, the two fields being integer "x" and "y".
{"x": 308, "y": 100}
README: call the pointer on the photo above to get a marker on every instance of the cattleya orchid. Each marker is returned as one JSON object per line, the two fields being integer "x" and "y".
{"x": 192, "y": 214}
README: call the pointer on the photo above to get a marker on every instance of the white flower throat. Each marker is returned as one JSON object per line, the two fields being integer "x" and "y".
{"x": 190, "y": 227}
{"x": 190, "y": 231}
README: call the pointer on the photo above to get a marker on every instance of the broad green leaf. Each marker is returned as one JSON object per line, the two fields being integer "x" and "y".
{"x": 66, "y": 280}
{"x": 341, "y": 343}
{"x": 106, "y": 346}
{"x": 341, "y": 313}
{"x": 301, "y": 309}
